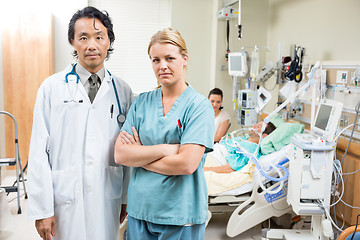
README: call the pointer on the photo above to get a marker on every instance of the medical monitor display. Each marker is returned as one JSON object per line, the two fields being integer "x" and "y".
{"x": 237, "y": 64}
{"x": 323, "y": 116}
{"x": 327, "y": 119}
{"x": 263, "y": 97}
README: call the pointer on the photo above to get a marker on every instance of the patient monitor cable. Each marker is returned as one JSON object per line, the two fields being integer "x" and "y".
{"x": 256, "y": 163}
{"x": 337, "y": 165}
{"x": 277, "y": 167}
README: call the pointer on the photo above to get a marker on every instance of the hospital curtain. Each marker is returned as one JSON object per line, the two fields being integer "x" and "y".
{"x": 134, "y": 24}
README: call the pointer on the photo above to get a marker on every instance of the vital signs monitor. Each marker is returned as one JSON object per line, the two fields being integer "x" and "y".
{"x": 237, "y": 64}
{"x": 327, "y": 119}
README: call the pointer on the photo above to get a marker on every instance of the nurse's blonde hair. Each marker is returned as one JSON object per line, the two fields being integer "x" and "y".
{"x": 171, "y": 36}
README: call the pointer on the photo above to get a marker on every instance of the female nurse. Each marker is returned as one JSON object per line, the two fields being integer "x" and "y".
{"x": 165, "y": 138}
{"x": 222, "y": 118}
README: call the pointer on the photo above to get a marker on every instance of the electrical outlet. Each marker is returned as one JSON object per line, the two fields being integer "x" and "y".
{"x": 341, "y": 77}
{"x": 301, "y": 109}
{"x": 298, "y": 109}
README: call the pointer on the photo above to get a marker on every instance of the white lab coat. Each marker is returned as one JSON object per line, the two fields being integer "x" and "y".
{"x": 72, "y": 173}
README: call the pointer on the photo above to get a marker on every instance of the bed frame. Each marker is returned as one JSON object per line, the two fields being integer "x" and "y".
{"x": 252, "y": 208}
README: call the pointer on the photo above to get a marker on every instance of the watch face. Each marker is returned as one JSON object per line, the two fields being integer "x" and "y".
{"x": 121, "y": 118}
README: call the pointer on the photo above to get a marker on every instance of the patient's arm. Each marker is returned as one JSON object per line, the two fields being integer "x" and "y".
{"x": 220, "y": 169}
{"x": 185, "y": 162}
{"x": 130, "y": 152}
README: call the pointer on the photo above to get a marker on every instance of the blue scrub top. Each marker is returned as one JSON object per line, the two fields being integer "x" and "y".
{"x": 162, "y": 199}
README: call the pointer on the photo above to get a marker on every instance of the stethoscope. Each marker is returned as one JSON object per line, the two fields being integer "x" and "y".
{"x": 120, "y": 118}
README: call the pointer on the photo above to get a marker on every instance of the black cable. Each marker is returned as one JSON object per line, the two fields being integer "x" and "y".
{"x": 227, "y": 38}
{"x": 357, "y": 220}
{"x": 271, "y": 88}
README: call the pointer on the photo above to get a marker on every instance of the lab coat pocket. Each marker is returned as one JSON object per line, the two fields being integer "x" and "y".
{"x": 114, "y": 182}
{"x": 65, "y": 184}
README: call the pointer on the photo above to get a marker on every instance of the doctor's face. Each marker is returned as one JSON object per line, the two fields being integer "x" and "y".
{"x": 91, "y": 43}
{"x": 168, "y": 63}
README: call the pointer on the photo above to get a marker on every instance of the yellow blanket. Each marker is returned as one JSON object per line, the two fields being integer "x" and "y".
{"x": 221, "y": 182}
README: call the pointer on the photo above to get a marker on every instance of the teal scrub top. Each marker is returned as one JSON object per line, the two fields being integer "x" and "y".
{"x": 163, "y": 199}
{"x": 235, "y": 159}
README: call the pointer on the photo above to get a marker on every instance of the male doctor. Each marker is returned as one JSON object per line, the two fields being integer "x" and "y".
{"x": 76, "y": 191}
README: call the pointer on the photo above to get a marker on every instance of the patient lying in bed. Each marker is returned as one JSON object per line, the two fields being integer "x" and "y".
{"x": 273, "y": 148}
{"x": 237, "y": 161}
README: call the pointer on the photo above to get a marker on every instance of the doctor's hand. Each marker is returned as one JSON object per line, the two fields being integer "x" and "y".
{"x": 127, "y": 138}
{"x": 45, "y": 227}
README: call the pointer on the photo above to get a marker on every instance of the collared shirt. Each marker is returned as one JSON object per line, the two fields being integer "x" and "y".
{"x": 84, "y": 75}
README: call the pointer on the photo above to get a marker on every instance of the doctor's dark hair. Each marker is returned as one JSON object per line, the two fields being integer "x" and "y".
{"x": 91, "y": 12}
{"x": 217, "y": 91}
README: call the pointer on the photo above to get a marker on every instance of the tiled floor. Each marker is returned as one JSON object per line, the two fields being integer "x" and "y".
{"x": 216, "y": 229}
{"x": 18, "y": 227}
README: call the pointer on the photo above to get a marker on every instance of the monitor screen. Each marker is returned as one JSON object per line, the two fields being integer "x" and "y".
{"x": 323, "y": 116}
{"x": 327, "y": 119}
{"x": 236, "y": 63}
{"x": 263, "y": 97}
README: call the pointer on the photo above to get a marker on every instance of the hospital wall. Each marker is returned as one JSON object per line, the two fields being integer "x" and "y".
{"x": 193, "y": 20}
{"x": 327, "y": 29}
{"x": 61, "y": 16}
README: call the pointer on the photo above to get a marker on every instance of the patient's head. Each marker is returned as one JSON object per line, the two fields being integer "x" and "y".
{"x": 258, "y": 126}
{"x": 255, "y": 132}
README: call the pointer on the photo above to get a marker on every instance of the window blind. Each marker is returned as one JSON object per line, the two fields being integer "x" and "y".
{"x": 134, "y": 23}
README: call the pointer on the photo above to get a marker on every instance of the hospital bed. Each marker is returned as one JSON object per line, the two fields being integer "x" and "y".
{"x": 248, "y": 203}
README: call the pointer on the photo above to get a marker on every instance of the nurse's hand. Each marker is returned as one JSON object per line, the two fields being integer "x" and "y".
{"x": 45, "y": 227}
{"x": 127, "y": 138}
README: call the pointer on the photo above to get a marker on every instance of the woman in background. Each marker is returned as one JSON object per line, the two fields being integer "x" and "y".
{"x": 222, "y": 118}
